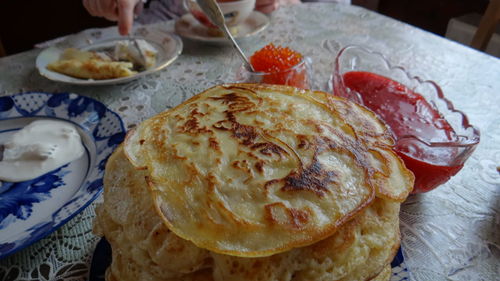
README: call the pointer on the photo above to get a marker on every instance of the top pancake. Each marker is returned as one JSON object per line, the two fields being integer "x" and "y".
{"x": 254, "y": 170}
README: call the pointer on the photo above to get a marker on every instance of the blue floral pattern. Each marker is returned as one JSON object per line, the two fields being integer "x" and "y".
{"x": 103, "y": 130}
{"x": 19, "y": 198}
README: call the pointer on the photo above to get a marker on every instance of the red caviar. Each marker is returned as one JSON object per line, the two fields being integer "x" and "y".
{"x": 279, "y": 63}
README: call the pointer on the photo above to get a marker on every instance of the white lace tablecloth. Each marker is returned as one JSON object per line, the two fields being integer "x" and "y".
{"x": 451, "y": 233}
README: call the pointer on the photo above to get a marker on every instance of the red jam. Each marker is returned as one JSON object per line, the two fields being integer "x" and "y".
{"x": 408, "y": 114}
{"x": 278, "y": 61}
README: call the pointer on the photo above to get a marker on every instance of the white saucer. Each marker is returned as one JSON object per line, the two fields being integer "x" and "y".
{"x": 188, "y": 27}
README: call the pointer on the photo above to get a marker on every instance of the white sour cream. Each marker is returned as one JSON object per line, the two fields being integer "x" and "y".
{"x": 39, "y": 148}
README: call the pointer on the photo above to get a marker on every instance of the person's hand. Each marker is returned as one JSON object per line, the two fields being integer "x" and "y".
{"x": 122, "y": 11}
{"x": 266, "y": 6}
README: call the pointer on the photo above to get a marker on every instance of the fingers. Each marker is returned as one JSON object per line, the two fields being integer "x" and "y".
{"x": 90, "y": 7}
{"x": 138, "y": 8}
{"x": 108, "y": 9}
{"x": 125, "y": 16}
{"x": 266, "y": 6}
{"x": 102, "y": 8}
{"x": 115, "y": 10}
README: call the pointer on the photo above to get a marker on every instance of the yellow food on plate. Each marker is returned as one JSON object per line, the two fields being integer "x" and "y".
{"x": 254, "y": 182}
{"x": 90, "y": 65}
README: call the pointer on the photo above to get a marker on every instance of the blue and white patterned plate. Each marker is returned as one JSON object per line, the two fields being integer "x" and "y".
{"x": 33, "y": 209}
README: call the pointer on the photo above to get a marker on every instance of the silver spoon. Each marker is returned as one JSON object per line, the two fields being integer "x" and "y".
{"x": 137, "y": 10}
{"x": 213, "y": 12}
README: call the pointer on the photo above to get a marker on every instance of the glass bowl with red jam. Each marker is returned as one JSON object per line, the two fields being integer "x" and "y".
{"x": 278, "y": 65}
{"x": 432, "y": 137}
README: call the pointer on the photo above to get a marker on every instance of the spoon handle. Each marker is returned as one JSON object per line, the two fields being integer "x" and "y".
{"x": 240, "y": 52}
{"x": 215, "y": 15}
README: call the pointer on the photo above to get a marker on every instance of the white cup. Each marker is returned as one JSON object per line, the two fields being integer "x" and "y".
{"x": 235, "y": 12}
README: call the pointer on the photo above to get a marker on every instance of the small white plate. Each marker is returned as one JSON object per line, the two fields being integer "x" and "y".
{"x": 32, "y": 209}
{"x": 168, "y": 45}
{"x": 187, "y": 26}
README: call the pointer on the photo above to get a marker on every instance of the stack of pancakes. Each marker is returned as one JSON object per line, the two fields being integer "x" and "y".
{"x": 255, "y": 182}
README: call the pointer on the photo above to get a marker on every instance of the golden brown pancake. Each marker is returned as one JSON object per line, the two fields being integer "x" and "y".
{"x": 89, "y": 65}
{"x": 252, "y": 170}
{"x": 144, "y": 248}
{"x": 138, "y": 236}
{"x": 388, "y": 171}
{"x": 255, "y": 182}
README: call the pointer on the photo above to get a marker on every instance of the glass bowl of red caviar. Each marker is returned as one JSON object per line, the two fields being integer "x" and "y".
{"x": 278, "y": 65}
{"x": 432, "y": 137}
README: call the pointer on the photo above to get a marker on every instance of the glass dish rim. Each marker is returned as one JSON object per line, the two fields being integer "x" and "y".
{"x": 303, "y": 60}
{"x": 463, "y": 141}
